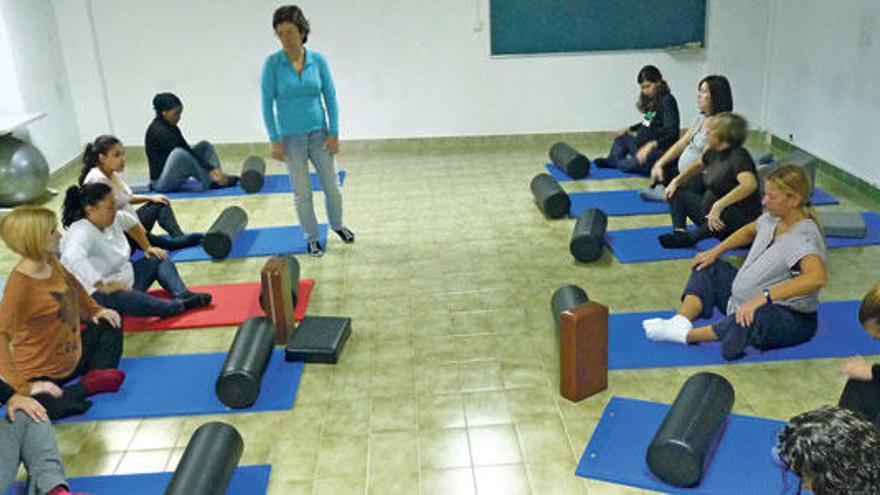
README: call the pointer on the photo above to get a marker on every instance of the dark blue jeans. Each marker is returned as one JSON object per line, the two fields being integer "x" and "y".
{"x": 623, "y": 157}
{"x": 137, "y": 302}
{"x": 773, "y": 327}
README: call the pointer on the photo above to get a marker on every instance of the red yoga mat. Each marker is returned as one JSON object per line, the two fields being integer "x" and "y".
{"x": 232, "y": 305}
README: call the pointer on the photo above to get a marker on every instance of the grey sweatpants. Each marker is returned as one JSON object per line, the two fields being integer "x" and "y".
{"x": 24, "y": 441}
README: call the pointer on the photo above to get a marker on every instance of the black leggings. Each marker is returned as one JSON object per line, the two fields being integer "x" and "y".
{"x": 688, "y": 204}
{"x": 101, "y": 349}
{"x": 862, "y": 397}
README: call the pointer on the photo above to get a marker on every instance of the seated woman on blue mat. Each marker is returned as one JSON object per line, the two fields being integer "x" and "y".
{"x": 713, "y": 97}
{"x": 832, "y": 450}
{"x": 638, "y": 146}
{"x": 172, "y": 160}
{"x": 42, "y": 347}
{"x": 862, "y": 392}
{"x": 27, "y": 437}
{"x": 729, "y": 198}
{"x": 771, "y": 301}
{"x": 95, "y": 249}
{"x": 103, "y": 162}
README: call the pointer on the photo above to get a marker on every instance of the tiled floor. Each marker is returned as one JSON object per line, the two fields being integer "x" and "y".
{"x": 449, "y": 381}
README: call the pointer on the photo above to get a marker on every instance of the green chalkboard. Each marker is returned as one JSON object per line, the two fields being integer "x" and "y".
{"x": 556, "y": 26}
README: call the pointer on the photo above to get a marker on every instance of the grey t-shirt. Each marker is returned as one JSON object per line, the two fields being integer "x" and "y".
{"x": 696, "y": 146}
{"x": 769, "y": 264}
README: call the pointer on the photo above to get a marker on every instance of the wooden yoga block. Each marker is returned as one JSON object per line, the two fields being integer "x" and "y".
{"x": 583, "y": 351}
{"x": 276, "y": 297}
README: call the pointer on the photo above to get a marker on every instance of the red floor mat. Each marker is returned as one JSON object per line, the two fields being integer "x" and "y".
{"x": 232, "y": 304}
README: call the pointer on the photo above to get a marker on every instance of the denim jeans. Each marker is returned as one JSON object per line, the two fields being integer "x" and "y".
{"x": 622, "y": 156}
{"x": 181, "y": 165}
{"x": 137, "y": 302}
{"x": 299, "y": 149}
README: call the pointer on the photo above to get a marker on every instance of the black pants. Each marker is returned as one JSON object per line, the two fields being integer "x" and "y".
{"x": 862, "y": 397}
{"x": 101, "y": 349}
{"x": 152, "y": 213}
{"x": 689, "y": 204}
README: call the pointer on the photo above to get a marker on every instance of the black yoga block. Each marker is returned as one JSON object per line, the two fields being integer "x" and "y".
{"x": 218, "y": 240}
{"x": 683, "y": 445}
{"x": 588, "y": 235}
{"x": 318, "y": 339}
{"x": 570, "y": 161}
{"x": 253, "y": 174}
{"x": 552, "y": 200}
{"x": 566, "y": 298}
{"x": 208, "y": 462}
{"x": 238, "y": 384}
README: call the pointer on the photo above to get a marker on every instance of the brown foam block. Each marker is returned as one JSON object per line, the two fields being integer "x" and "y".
{"x": 583, "y": 351}
{"x": 276, "y": 297}
{"x": 318, "y": 339}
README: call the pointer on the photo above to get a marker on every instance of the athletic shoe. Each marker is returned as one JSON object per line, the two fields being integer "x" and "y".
{"x": 346, "y": 235}
{"x": 315, "y": 249}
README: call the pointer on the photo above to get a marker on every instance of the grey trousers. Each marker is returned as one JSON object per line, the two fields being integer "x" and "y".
{"x": 24, "y": 441}
{"x": 300, "y": 149}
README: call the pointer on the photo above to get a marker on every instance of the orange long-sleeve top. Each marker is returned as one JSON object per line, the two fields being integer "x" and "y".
{"x": 40, "y": 318}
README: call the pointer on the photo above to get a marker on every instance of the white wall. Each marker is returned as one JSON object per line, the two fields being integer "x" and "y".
{"x": 824, "y": 81}
{"x": 30, "y": 28}
{"x": 402, "y": 68}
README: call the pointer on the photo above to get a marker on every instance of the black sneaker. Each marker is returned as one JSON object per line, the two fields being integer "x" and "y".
{"x": 315, "y": 249}
{"x": 676, "y": 239}
{"x": 346, "y": 235}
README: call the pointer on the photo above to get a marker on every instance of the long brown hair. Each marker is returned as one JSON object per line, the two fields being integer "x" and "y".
{"x": 651, "y": 74}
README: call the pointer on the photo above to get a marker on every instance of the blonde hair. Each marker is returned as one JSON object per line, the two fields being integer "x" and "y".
{"x": 26, "y": 228}
{"x": 869, "y": 311}
{"x": 791, "y": 179}
{"x": 730, "y": 128}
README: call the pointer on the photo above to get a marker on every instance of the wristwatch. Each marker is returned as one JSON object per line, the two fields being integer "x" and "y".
{"x": 767, "y": 296}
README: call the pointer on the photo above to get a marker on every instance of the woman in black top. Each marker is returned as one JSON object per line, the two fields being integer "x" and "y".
{"x": 862, "y": 391}
{"x": 172, "y": 160}
{"x": 638, "y": 146}
{"x": 730, "y": 199}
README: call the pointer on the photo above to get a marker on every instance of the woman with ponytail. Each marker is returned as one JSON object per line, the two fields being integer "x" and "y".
{"x": 771, "y": 301}
{"x": 96, "y": 251}
{"x": 103, "y": 162}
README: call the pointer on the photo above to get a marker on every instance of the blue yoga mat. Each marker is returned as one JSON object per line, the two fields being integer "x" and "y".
{"x": 743, "y": 462}
{"x": 183, "y": 385}
{"x": 274, "y": 183}
{"x": 264, "y": 241}
{"x": 839, "y": 335}
{"x": 628, "y": 202}
{"x": 641, "y": 245}
{"x": 596, "y": 173}
{"x": 247, "y": 480}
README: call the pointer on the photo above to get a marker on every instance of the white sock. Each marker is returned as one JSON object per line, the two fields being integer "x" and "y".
{"x": 674, "y": 329}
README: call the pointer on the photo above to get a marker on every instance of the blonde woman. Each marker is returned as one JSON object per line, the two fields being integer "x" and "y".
{"x": 771, "y": 301}
{"x": 40, "y": 315}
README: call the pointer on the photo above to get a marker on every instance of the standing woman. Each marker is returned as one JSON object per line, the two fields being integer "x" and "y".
{"x": 713, "y": 97}
{"x": 293, "y": 83}
{"x": 103, "y": 162}
{"x": 638, "y": 146}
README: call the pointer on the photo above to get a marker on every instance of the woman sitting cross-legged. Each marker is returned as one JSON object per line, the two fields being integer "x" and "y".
{"x": 41, "y": 346}
{"x": 96, "y": 251}
{"x": 862, "y": 391}
{"x": 103, "y": 162}
{"x": 730, "y": 196}
{"x": 771, "y": 301}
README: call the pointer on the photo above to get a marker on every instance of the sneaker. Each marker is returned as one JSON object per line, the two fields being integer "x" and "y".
{"x": 315, "y": 249}
{"x": 676, "y": 239}
{"x": 346, "y": 235}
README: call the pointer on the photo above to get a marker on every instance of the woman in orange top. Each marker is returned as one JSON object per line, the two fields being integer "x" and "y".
{"x": 40, "y": 315}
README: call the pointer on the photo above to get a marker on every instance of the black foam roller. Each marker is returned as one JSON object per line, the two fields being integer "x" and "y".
{"x": 552, "y": 200}
{"x": 238, "y": 384}
{"x": 293, "y": 269}
{"x": 565, "y": 298}
{"x": 683, "y": 445}
{"x": 218, "y": 240}
{"x": 253, "y": 174}
{"x": 208, "y": 462}
{"x": 588, "y": 235}
{"x": 570, "y": 161}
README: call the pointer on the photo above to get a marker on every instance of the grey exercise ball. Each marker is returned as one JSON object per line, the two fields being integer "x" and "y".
{"x": 24, "y": 172}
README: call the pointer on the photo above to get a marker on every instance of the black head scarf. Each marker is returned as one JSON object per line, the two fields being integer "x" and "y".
{"x": 163, "y": 102}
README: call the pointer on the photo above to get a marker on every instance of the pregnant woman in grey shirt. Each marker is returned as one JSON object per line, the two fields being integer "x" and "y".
{"x": 771, "y": 301}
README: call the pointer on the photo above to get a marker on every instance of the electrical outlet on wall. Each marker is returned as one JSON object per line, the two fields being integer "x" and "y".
{"x": 791, "y": 138}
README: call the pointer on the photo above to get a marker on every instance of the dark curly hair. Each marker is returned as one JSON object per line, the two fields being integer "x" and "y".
{"x": 834, "y": 450}
{"x": 293, "y": 15}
